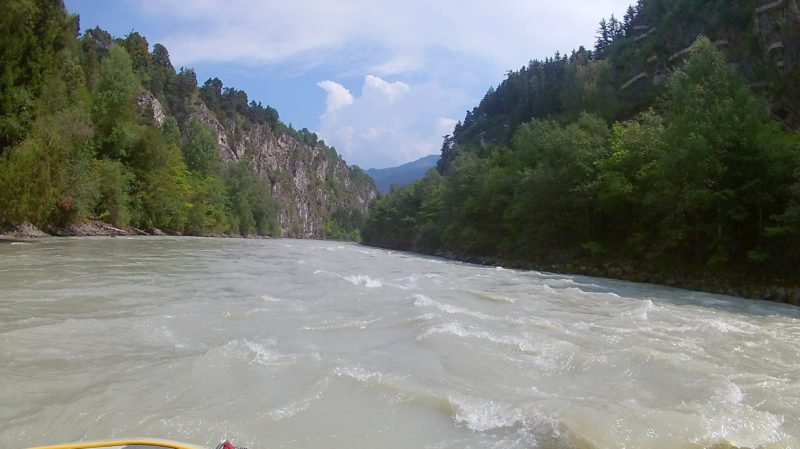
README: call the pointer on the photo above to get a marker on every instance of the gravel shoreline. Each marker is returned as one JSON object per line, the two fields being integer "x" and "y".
{"x": 93, "y": 228}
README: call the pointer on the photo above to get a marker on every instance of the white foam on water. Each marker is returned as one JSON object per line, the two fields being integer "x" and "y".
{"x": 491, "y": 297}
{"x": 325, "y": 272}
{"x": 267, "y": 298}
{"x": 361, "y": 250}
{"x": 410, "y": 282}
{"x": 503, "y": 298}
{"x": 558, "y": 282}
{"x": 577, "y": 291}
{"x": 745, "y": 427}
{"x": 730, "y": 326}
{"x": 640, "y": 311}
{"x": 482, "y": 415}
{"x": 458, "y": 330}
{"x": 400, "y": 388}
{"x": 255, "y": 353}
{"x": 297, "y": 306}
{"x": 729, "y": 394}
{"x": 360, "y": 374}
{"x": 256, "y": 311}
{"x": 546, "y": 288}
{"x": 263, "y": 355}
{"x": 326, "y": 325}
{"x": 425, "y": 301}
{"x": 421, "y": 318}
{"x": 294, "y": 408}
{"x": 363, "y": 280}
{"x": 154, "y": 333}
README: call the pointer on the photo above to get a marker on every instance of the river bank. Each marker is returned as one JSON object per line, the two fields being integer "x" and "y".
{"x": 741, "y": 284}
{"x": 93, "y": 228}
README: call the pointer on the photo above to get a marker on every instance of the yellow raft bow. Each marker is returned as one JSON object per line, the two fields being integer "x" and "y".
{"x": 146, "y": 443}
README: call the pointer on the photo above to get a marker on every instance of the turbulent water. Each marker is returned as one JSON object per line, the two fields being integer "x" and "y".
{"x": 307, "y": 344}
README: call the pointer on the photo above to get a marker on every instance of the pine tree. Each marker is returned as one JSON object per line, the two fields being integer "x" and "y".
{"x": 627, "y": 21}
{"x": 615, "y": 30}
{"x": 603, "y": 39}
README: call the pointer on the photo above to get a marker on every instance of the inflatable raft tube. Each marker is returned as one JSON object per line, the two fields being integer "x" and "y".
{"x": 139, "y": 443}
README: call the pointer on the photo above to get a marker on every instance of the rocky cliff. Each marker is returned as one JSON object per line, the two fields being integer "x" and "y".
{"x": 312, "y": 184}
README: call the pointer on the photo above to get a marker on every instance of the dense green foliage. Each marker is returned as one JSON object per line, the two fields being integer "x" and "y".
{"x": 34, "y": 32}
{"x": 704, "y": 181}
{"x": 79, "y": 139}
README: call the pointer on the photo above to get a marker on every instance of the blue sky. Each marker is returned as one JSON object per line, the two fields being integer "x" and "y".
{"x": 382, "y": 81}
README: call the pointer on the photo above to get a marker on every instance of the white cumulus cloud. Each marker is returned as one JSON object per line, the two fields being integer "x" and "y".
{"x": 374, "y": 85}
{"x": 445, "y": 125}
{"x": 338, "y": 95}
{"x": 390, "y": 123}
{"x": 377, "y": 36}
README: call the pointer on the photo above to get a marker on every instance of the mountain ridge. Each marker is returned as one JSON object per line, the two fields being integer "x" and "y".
{"x": 402, "y": 174}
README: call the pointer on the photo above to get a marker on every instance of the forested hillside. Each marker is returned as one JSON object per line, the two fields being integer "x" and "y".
{"x": 104, "y": 128}
{"x": 667, "y": 153}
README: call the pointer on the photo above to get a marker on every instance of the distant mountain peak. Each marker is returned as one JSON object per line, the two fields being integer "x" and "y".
{"x": 403, "y": 174}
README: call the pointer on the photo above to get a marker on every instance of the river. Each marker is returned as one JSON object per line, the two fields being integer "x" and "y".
{"x": 313, "y": 344}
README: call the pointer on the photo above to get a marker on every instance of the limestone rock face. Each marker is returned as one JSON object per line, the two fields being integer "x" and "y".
{"x": 309, "y": 180}
{"x": 205, "y": 115}
{"x": 146, "y": 100}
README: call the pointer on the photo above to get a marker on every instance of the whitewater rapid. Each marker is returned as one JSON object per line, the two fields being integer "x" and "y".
{"x": 309, "y": 344}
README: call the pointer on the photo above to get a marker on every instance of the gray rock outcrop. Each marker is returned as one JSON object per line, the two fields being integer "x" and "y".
{"x": 310, "y": 181}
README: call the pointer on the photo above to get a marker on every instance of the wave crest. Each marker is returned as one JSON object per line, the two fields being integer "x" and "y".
{"x": 366, "y": 281}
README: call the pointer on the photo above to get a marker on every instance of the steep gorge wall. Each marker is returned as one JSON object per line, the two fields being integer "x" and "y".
{"x": 310, "y": 182}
